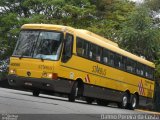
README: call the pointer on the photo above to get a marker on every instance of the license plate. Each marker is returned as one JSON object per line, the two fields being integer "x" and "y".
{"x": 28, "y": 84}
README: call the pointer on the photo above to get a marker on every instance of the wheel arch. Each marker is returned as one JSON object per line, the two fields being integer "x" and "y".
{"x": 129, "y": 93}
{"x": 136, "y": 93}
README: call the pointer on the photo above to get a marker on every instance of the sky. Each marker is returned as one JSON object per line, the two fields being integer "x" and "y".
{"x": 138, "y": 1}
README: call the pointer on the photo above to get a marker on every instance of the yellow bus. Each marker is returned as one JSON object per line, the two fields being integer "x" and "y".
{"x": 76, "y": 62}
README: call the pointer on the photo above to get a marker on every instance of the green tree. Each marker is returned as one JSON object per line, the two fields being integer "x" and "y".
{"x": 140, "y": 36}
{"x": 153, "y": 4}
{"x": 13, "y": 14}
{"x": 104, "y": 17}
{"x": 111, "y": 14}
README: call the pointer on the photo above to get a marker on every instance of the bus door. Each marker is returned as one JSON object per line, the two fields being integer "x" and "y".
{"x": 67, "y": 64}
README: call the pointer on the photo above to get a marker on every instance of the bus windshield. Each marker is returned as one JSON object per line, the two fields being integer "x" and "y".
{"x": 39, "y": 44}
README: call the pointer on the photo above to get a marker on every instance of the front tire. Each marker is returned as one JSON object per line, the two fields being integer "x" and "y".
{"x": 102, "y": 102}
{"x": 36, "y": 93}
{"x": 74, "y": 92}
{"x": 89, "y": 100}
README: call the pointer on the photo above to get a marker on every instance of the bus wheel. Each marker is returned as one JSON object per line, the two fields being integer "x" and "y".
{"x": 102, "y": 102}
{"x": 74, "y": 92}
{"x": 124, "y": 102}
{"x": 89, "y": 100}
{"x": 134, "y": 102}
{"x": 36, "y": 93}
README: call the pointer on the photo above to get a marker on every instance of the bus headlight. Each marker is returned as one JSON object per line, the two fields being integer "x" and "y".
{"x": 49, "y": 75}
{"x": 12, "y": 71}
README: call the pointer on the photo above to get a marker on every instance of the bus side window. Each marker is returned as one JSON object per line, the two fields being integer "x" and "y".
{"x": 150, "y": 73}
{"x": 85, "y": 48}
{"x": 68, "y": 46}
{"x": 130, "y": 65}
{"x": 138, "y": 71}
{"x": 92, "y": 51}
{"x": 118, "y": 61}
{"x": 82, "y": 47}
{"x": 111, "y": 58}
{"x": 98, "y": 54}
{"x": 79, "y": 44}
{"x": 105, "y": 56}
{"x": 142, "y": 70}
{"x": 123, "y": 63}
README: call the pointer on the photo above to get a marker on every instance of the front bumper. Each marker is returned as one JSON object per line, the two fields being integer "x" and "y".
{"x": 58, "y": 85}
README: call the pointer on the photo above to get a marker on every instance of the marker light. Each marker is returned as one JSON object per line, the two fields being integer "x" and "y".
{"x": 54, "y": 75}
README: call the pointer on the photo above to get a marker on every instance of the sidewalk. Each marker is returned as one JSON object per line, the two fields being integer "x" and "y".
{"x": 147, "y": 111}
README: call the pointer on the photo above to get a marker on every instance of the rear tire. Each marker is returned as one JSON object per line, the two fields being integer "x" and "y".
{"x": 74, "y": 92}
{"x": 36, "y": 93}
{"x": 89, "y": 100}
{"x": 102, "y": 102}
{"x": 134, "y": 102}
{"x": 124, "y": 102}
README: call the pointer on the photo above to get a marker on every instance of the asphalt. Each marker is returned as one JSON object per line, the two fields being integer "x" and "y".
{"x": 21, "y": 105}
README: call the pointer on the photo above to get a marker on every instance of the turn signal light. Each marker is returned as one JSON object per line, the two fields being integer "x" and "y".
{"x": 50, "y": 75}
{"x": 54, "y": 75}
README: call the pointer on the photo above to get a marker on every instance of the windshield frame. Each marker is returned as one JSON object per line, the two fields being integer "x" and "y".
{"x": 36, "y": 42}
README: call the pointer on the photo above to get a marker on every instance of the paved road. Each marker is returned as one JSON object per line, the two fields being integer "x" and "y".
{"x": 23, "y": 104}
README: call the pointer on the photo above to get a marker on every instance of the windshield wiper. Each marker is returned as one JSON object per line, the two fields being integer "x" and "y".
{"x": 42, "y": 58}
{"x": 21, "y": 56}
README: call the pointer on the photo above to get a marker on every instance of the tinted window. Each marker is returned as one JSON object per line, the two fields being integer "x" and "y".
{"x": 130, "y": 65}
{"x": 82, "y": 47}
{"x": 138, "y": 69}
{"x": 105, "y": 56}
{"x": 118, "y": 61}
{"x": 95, "y": 52}
{"x": 98, "y": 54}
{"x": 92, "y": 52}
{"x": 68, "y": 45}
{"x": 79, "y": 48}
{"x": 111, "y": 58}
{"x": 149, "y": 73}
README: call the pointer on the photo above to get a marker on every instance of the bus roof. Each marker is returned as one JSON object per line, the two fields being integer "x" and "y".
{"x": 91, "y": 37}
{"x": 99, "y": 37}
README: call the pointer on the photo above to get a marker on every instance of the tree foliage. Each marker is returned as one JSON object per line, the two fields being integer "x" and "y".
{"x": 140, "y": 36}
{"x": 153, "y": 4}
{"x": 103, "y": 17}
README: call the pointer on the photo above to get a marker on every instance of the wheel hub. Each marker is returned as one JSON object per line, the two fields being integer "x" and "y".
{"x": 134, "y": 102}
{"x": 125, "y": 100}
